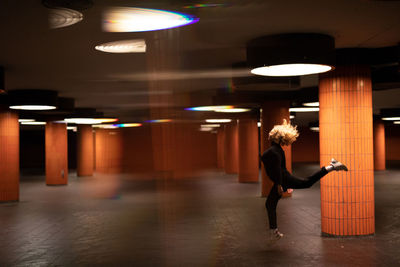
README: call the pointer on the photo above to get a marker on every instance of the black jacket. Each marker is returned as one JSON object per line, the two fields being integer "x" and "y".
{"x": 274, "y": 161}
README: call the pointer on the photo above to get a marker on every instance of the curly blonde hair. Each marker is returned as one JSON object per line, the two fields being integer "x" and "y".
{"x": 283, "y": 134}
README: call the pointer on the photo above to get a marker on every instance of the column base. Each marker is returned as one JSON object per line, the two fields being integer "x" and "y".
{"x": 345, "y": 236}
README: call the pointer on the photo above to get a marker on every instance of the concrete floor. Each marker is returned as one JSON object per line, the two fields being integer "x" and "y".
{"x": 114, "y": 220}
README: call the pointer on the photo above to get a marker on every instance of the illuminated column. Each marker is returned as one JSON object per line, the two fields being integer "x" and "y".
{"x": 231, "y": 148}
{"x": 108, "y": 151}
{"x": 9, "y": 156}
{"x": 345, "y": 122}
{"x": 220, "y": 147}
{"x": 56, "y": 154}
{"x": 379, "y": 146}
{"x": 248, "y": 150}
{"x": 273, "y": 113}
{"x": 85, "y": 150}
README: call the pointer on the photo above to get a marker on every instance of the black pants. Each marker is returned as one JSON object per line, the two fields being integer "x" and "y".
{"x": 290, "y": 182}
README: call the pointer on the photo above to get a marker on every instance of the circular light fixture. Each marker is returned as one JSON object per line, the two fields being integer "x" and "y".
{"x": 291, "y": 70}
{"x": 311, "y": 104}
{"x": 391, "y": 119}
{"x": 396, "y": 122}
{"x": 303, "y": 109}
{"x": 314, "y": 129}
{"x": 82, "y": 120}
{"x": 292, "y": 54}
{"x": 32, "y": 107}
{"x": 210, "y": 125}
{"x": 126, "y": 46}
{"x": 25, "y": 120}
{"x": 72, "y": 128}
{"x": 209, "y": 108}
{"x": 33, "y": 123}
{"x": 292, "y": 117}
{"x": 33, "y": 99}
{"x": 233, "y": 110}
{"x": 218, "y": 120}
{"x": 132, "y": 19}
{"x": 63, "y": 17}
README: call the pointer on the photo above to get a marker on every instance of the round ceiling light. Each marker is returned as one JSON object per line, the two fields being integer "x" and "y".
{"x": 33, "y": 123}
{"x": 218, "y": 120}
{"x": 33, "y": 99}
{"x": 126, "y": 46}
{"x": 303, "y": 109}
{"x": 233, "y": 110}
{"x": 291, "y": 70}
{"x": 311, "y": 104}
{"x": 63, "y": 17}
{"x": 132, "y": 19}
{"x": 209, "y": 108}
{"x": 291, "y": 54}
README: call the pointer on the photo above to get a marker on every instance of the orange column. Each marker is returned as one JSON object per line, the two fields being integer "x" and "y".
{"x": 56, "y": 154}
{"x": 345, "y": 122}
{"x": 231, "y": 148}
{"x": 248, "y": 150}
{"x": 9, "y": 156}
{"x": 220, "y": 148}
{"x": 85, "y": 150}
{"x": 273, "y": 113}
{"x": 379, "y": 146}
{"x": 108, "y": 151}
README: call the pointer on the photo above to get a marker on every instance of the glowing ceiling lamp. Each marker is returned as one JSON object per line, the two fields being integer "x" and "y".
{"x": 396, "y": 122}
{"x": 125, "y": 46}
{"x": 210, "y": 125}
{"x": 25, "y": 120}
{"x": 314, "y": 129}
{"x": 33, "y": 99}
{"x": 233, "y": 110}
{"x": 291, "y": 69}
{"x": 63, "y": 17}
{"x": 218, "y": 120}
{"x": 209, "y": 108}
{"x": 33, "y": 123}
{"x": 303, "y": 109}
{"x": 311, "y": 104}
{"x": 82, "y": 120}
{"x": 292, "y": 54}
{"x": 132, "y": 19}
{"x": 391, "y": 119}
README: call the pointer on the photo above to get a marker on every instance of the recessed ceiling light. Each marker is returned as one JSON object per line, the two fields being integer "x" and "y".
{"x": 391, "y": 119}
{"x": 63, "y": 17}
{"x": 33, "y": 107}
{"x": 314, "y": 129}
{"x": 25, "y": 120}
{"x": 209, "y": 108}
{"x": 305, "y": 109}
{"x": 396, "y": 122}
{"x": 218, "y": 120}
{"x": 33, "y": 123}
{"x": 233, "y": 110}
{"x": 291, "y": 69}
{"x": 311, "y": 104}
{"x": 292, "y": 117}
{"x": 132, "y": 19}
{"x": 82, "y": 120}
{"x": 125, "y": 46}
{"x": 72, "y": 128}
{"x": 210, "y": 125}
{"x": 204, "y": 129}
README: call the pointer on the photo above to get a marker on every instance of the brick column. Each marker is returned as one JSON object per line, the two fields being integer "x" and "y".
{"x": 56, "y": 154}
{"x": 345, "y": 122}
{"x": 248, "y": 150}
{"x": 231, "y": 148}
{"x": 85, "y": 151}
{"x": 273, "y": 113}
{"x": 220, "y": 147}
{"x": 9, "y": 156}
{"x": 379, "y": 146}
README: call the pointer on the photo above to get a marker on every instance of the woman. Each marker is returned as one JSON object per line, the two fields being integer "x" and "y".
{"x": 275, "y": 166}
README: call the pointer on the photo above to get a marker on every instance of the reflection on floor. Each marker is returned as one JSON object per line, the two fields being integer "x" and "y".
{"x": 208, "y": 221}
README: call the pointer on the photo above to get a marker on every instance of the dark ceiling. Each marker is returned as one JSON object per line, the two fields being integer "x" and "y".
{"x": 64, "y": 59}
